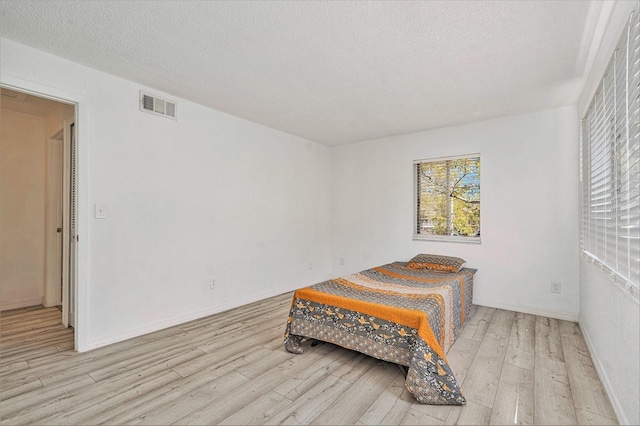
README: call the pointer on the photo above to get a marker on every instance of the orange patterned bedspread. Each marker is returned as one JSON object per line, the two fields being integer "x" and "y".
{"x": 402, "y": 315}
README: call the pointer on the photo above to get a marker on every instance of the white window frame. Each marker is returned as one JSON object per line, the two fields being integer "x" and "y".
{"x": 429, "y": 237}
{"x": 609, "y": 162}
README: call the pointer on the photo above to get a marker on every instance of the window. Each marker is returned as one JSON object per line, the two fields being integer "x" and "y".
{"x": 447, "y": 205}
{"x": 610, "y": 166}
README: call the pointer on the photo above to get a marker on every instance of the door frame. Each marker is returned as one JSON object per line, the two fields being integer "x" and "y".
{"x": 80, "y": 283}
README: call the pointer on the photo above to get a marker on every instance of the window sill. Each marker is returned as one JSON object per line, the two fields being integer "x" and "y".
{"x": 446, "y": 238}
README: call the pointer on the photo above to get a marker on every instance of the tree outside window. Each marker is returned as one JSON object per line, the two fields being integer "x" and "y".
{"x": 448, "y": 198}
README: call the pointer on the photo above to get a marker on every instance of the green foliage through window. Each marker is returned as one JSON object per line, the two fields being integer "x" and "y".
{"x": 448, "y": 197}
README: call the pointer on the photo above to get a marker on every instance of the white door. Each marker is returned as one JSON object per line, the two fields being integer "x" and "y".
{"x": 53, "y": 225}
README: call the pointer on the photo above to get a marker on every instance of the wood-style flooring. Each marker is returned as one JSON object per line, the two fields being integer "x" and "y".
{"x": 231, "y": 368}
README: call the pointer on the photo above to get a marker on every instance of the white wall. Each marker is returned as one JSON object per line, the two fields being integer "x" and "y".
{"x": 22, "y": 199}
{"x": 529, "y": 207}
{"x": 610, "y": 317}
{"x": 610, "y": 321}
{"x": 208, "y": 195}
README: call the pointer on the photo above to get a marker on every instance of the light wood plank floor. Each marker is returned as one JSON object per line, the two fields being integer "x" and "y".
{"x": 514, "y": 369}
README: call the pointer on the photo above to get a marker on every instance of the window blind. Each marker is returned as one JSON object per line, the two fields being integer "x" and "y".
{"x": 610, "y": 165}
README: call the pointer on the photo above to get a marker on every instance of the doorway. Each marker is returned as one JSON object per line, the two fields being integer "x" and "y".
{"x": 37, "y": 189}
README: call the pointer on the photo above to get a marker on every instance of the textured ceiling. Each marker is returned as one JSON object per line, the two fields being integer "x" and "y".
{"x": 332, "y": 72}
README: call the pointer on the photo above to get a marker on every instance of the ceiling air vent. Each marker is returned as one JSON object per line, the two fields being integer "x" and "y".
{"x": 158, "y": 106}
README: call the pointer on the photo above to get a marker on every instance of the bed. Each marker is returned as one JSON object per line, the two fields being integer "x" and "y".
{"x": 408, "y": 313}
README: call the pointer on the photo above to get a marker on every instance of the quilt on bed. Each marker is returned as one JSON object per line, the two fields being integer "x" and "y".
{"x": 406, "y": 316}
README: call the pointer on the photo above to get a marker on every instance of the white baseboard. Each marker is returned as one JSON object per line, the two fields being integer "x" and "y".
{"x": 181, "y": 319}
{"x": 566, "y": 316}
{"x": 23, "y": 304}
{"x": 608, "y": 387}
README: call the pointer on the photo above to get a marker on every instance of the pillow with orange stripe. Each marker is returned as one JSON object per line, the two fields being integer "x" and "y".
{"x": 436, "y": 262}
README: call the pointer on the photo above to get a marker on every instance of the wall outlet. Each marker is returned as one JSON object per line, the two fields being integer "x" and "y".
{"x": 212, "y": 283}
{"x": 342, "y": 261}
{"x": 556, "y": 287}
{"x": 100, "y": 211}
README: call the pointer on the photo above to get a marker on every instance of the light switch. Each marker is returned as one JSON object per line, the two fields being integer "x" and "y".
{"x": 100, "y": 211}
